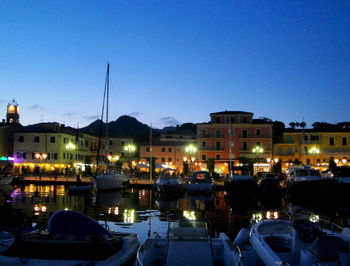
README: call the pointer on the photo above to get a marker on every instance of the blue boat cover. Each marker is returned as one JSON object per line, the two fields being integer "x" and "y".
{"x": 74, "y": 223}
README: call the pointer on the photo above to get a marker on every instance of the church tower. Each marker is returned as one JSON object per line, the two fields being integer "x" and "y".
{"x": 12, "y": 116}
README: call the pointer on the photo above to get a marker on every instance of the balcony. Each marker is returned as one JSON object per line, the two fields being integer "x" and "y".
{"x": 255, "y": 137}
{"x": 207, "y": 136}
{"x": 286, "y": 153}
{"x": 336, "y": 151}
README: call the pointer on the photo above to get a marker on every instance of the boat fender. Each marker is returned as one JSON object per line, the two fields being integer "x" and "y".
{"x": 241, "y": 238}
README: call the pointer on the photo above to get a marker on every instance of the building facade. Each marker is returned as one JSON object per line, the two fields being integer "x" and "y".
{"x": 246, "y": 136}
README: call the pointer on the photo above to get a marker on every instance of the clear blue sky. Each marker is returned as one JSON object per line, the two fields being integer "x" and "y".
{"x": 176, "y": 61}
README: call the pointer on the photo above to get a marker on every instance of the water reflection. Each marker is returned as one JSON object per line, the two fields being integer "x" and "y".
{"x": 144, "y": 211}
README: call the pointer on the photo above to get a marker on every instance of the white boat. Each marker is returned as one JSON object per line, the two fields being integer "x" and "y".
{"x": 303, "y": 181}
{"x": 201, "y": 182}
{"x": 187, "y": 243}
{"x": 300, "y": 240}
{"x": 170, "y": 180}
{"x": 110, "y": 179}
{"x": 72, "y": 239}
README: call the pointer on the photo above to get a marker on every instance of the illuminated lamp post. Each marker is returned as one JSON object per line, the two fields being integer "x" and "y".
{"x": 40, "y": 157}
{"x": 130, "y": 148}
{"x": 71, "y": 147}
{"x": 191, "y": 151}
{"x": 257, "y": 150}
{"x": 344, "y": 161}
{"x": 314, "y": 152}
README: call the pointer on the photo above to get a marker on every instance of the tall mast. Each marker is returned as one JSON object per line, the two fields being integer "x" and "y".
{"x": 230, "y": 143}
{"x": 151, "y": 159}
{"x": 107, "y": 88}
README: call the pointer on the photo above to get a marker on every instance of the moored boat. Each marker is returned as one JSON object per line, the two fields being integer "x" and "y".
{"x": 170, "y": 181}
{"x": 72, "y": 239}
{"x": 201, "y": 182}
{"x": 294, "y": 240}
{"x": 186, "y": 243}
{"x": 241, "y": 186}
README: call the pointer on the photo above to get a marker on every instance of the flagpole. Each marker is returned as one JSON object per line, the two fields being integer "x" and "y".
{"x": 151, "y": 160}
{"x": 230, "y": 143}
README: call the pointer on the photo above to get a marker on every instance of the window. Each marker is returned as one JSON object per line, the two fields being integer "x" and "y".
{"x": 36, "y": 139}
{"x": 111, "y": 143}
{"x": 218, "y": 120}
{"x": 52, "y": 139}
{"x": 331, "y": 141}
{"x": 218, "y": 145}
{"x": 232, "y": 120}
{"x": 244, "y": 146}
{"x": 204, "y": 132}
{"x": 148, "y": 149}
{"x": 123, "y": 143}
{"x": 245, "y": 120}
{"x": 21, "y": 155}
{"x": 218, "y": 133}
{"x": 258, "y": 143}
{"x": 289, "y": 139}
{"x": 305, "y": 137}
{"x": 312, "y": 137}
{"x": 163, "y": 159}
{"x": 217, "y": 157}
{"x": 258, "y": 132}
{"x": 244, "y": 133}
{"x": 86, "y": 143}
{"x": 305, "y": 151}
{"x": 65, "y": 140}
{"x": 170, "y": 149}
{"x": 21, "y": 139}
{"x": 204, "y": 157}
{"x": 289, "y": 150}
{"x": 344, "y": 141}
{"x": 169, "y": 159}
{"x": 163, "y": 149}
{"x": 204, "y": 144}
{"x": 54, "y": 156}
{"x": 64, "y": 155}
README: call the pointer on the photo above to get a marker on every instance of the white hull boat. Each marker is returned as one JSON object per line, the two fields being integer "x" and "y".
{"x": 110, "y": 181}
{"x": 201, "y": 182}
{"x": 187, "y": 243}
{"x": 276, "y": 241}
{"x": 170, "y": 181}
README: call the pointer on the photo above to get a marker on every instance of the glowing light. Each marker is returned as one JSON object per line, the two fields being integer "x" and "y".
{"x": 344, "y": 161}
{"x": 130, "y": 148}
{"x": 336, "y": 160}
{"x": 70, "y": 146}
{"x": 276, "y": 160}
{"x": 109, "y": 157}
{"x": 129, "y": 216}
{"x": 314, "y": 150}
{"x": 257, "y": 149}
{"x": 314, "y": 218}
{"x": 190, "y": 215}
{"x": 257, "y": 217}
{"x": 191, "y": 149}
{"x": 268, "y": 160}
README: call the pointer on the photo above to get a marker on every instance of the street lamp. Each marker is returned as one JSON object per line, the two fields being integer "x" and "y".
{"x": 190, "y": 150}
{"x": 40, "y": 157}
{"x": 314, "y": 151}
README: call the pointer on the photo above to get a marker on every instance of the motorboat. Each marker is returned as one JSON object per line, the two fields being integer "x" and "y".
{"x": 201, "y": 182}
{"x": 72, "y": 238}
{"x": 269, "y": 186}
{"x": 306, "y": 182}
{"x": 170, "y": 180}
{"x": 241, "y": 186}
{"x": 276, "y": 238}
{"x": 110, "y": 180}
{"x": 186, "y": 243}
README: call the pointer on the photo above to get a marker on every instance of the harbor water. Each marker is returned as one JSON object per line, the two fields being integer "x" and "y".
{"x": 145, "y": 211}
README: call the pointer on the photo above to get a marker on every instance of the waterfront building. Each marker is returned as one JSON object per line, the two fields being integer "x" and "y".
{"x": 54, "y": 147}
{"x": 250, "y": 138}
{"x": 171, "y": 150}
{"x": 314, "y": 147}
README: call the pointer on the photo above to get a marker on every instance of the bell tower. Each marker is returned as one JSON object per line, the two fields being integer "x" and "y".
{"x": 12, "y": 116}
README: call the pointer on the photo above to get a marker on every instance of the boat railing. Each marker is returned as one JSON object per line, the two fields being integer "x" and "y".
{"x": 239, "y": 262}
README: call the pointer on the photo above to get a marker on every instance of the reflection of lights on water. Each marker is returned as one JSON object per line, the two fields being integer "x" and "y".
{"x": 257, "y": 217}
{"x": 66, "y": 209}
{"x": 38, "y": 208}
{"x": 314, "y": 218}
{"x": 190, "y": 215}
{"x": 129, "y": 216}
{"x": 114, "y": 210}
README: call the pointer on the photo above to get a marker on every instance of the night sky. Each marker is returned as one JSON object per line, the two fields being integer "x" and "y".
{"x": 173, "y": 62}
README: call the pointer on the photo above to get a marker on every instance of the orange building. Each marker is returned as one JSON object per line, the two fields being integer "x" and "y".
{"x": 249, "y": 138}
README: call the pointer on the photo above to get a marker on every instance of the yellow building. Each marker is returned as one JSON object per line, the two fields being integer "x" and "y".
{"x": 314, "y": 148}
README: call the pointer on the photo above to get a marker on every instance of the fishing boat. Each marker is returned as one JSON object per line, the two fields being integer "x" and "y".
{"x": 277, "y": 238}
{"x": 72, "y": 238}
{"x": 186, "y": 243}
{"x": 170, "y": 181}
{"x": 111, "y": 178}
{"x": 201, "y": 182}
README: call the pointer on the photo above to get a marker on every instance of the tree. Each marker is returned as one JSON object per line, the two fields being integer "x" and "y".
{"x": 211, "y": 165}
{"x": 292, "y": 125}
{"x": 185, "y": 168}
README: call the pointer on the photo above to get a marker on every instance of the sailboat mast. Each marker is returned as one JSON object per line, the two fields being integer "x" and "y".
{"x": 230, "y": 143}
{"x": 151, "y": 160}
{"x": 107, "y": 88}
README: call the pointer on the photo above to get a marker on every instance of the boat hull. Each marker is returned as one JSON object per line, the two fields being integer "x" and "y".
{"x": 110, "y": 181}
